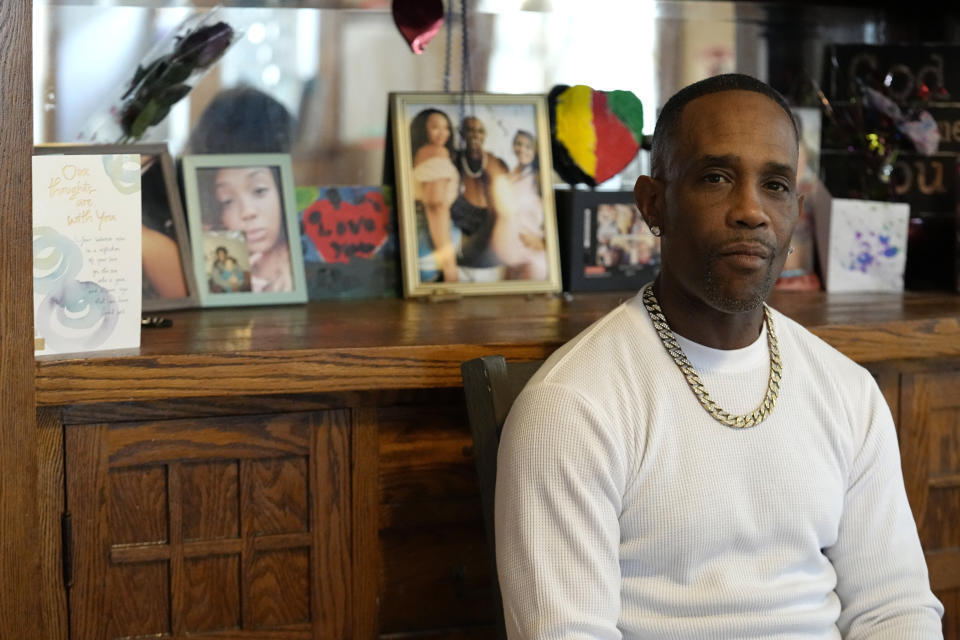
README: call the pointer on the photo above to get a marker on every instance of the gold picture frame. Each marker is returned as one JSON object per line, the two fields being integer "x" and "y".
{"x": 474, "y": 194}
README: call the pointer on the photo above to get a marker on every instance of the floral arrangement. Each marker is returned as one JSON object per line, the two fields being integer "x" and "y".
{"x": 176, "y": 65}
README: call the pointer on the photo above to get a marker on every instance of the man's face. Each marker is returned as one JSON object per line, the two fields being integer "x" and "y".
{"x": 730, "y": 200}
{"x": 473, "y": 135}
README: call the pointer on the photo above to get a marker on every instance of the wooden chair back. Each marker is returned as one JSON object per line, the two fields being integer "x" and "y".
{"x": 490, "y": 386}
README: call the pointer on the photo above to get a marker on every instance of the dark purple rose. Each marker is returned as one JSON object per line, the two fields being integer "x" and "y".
{"x": 204, "y": 46}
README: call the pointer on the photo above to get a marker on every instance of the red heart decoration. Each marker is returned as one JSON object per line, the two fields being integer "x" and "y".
{"x": 418, "y": 21}
{"x": 342, "y": 230}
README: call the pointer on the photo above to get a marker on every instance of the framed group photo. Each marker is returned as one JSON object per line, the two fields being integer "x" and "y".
{"x": 168, "y": 281}
{"x": 243, "y": 229}
{"x": 474, "y": 194}
{"x": 607, "y": 245}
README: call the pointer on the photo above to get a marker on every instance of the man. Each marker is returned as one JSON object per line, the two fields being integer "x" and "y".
{"x": 746, "y": 485}
{"x": 473, "y": 211}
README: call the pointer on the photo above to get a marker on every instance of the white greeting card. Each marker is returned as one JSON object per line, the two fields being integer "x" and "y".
{"x": 863, "y": 244}
{"x": 86, "y": 253}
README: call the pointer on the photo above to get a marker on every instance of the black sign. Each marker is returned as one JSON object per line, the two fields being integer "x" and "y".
{"x": 947, "y": 116}
{"x": 927, "y": 183}
{"x": 901, "y": 68}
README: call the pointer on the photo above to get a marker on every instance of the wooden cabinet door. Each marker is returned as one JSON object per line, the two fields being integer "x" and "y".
{"x": 930, "y": 448}
{"x": 220, "y": 527}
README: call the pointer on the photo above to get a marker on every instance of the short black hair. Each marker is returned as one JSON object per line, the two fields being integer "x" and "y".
{"x": 668, "y": 121}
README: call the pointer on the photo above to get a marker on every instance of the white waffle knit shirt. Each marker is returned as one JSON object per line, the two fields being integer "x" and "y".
{"x": 624, "y": 510}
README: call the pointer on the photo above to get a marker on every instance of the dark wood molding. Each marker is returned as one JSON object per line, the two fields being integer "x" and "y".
{"x": 19, "y": 551}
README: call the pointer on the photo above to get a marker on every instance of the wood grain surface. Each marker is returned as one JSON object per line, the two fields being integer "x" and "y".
{"x": 404, "y": 344}
{"x": 929, "y": 430}
{"x": 19, "y": 552}
{"x": 50, "y": 501}
{"x": 217, "y": 527}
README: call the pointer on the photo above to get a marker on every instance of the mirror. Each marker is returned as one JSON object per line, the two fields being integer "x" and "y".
{"x": 332, "y": 68}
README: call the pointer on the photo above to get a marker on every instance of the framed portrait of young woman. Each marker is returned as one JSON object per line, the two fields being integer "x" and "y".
{"x": 474, "y": 194}
{"x": 168, "y": 281}
{"x": 244, "y": 233}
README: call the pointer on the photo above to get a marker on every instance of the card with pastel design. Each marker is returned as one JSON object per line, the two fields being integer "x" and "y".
{"x": 86, "y": 253}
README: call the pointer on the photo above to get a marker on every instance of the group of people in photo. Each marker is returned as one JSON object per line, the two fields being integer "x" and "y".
{"x": 623, "y": 238}
{"x": 479, "y": 219}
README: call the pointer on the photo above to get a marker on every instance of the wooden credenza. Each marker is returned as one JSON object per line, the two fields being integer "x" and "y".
{"x": 306, "y": 471}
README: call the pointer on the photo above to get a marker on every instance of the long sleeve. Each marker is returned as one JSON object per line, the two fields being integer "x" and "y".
{"x": 560, "y": 478}
{"x": 882, "y": 578}
{"x": 624, "y": 510}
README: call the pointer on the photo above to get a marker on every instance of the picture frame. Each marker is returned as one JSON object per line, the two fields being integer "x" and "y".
{"x": 475, "y": 201}
{"x": 242, "y": 216}
{"x": 800, "y": 268}
{"x": 606, "y": 244}
{"x": 168, "y": 279}
{"x": 349, "y": 239}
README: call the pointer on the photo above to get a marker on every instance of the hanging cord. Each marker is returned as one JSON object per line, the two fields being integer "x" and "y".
{"x": 446, "y": 62}
{"x": 465, "y": 81}
{"x": 465, "y": 76}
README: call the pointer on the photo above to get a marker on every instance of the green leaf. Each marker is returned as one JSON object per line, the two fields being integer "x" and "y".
{"x": 143, "y": 120}
{"x": 161, "y": 113}
{"x": 173, "y": 95}
{"x": 177, "y": 73}
{"x": 137, "y": 77}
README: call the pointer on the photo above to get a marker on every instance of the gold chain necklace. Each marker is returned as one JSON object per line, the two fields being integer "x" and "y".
{"x": 670, "y": 343}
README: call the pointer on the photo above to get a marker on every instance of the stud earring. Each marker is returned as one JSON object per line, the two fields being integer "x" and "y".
{"x": 790, "y": 250}
{"x": 655, "y": 230}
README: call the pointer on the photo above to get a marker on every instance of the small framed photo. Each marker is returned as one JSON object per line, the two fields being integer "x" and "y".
{"x": 474, "y": 194}
{"x": 243, "y": 229}
{"x": 607, "y": 245}
{"x": 168, "y": 281}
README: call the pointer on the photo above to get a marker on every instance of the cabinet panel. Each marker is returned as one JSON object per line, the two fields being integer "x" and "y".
{"x": 930, "y": 449}
{"x": 436, "y": 582}
{"x": 211, "y": 500}
{"x": 951, "y": 617}
{"x": 219, "y": 575}
{"x": 236, "y": 525}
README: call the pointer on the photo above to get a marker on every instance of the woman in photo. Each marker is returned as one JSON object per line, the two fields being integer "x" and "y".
{"x": 518, "y": 235}
{"x": 162, "y": 271}
{"x": 248, "y": 199}
{"x": 436, "y": 184}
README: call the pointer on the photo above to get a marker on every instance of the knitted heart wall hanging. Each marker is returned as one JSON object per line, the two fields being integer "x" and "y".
{"x": 418, "y": 21}
{"x": 595, "y": 134}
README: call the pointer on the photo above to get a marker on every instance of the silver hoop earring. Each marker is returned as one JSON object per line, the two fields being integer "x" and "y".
{"x": 655, "y": 230}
